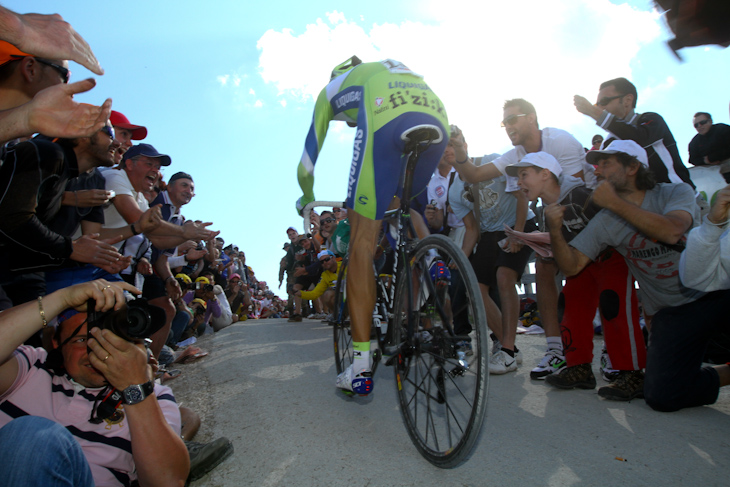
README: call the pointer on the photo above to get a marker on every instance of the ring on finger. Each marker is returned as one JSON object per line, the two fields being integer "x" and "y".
{"x": 107, "y": 356}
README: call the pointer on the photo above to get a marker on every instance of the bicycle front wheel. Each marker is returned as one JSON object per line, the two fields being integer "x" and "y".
{"x": 441, "y": 367}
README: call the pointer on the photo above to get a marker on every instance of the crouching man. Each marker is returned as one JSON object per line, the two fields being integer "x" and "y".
{"x": 57, "y": 425}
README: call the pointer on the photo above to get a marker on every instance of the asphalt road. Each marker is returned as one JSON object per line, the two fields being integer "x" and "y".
{"x": 268, "y": 385}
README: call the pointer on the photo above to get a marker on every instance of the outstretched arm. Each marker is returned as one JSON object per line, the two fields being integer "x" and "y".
{"x": 47, "y": 36}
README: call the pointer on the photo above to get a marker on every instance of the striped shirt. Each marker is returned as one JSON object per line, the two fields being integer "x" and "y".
{"x": 107, "y": 446}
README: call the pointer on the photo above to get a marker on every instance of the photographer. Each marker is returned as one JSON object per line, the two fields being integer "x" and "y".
{"x": 50, "y": 420}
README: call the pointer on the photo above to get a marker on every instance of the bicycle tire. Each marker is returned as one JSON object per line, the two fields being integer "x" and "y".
{"x": 342, "y": 338}
{"x": 442, "y": 392}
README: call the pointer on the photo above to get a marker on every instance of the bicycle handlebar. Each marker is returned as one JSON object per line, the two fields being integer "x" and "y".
{"x": 308, "y": 210}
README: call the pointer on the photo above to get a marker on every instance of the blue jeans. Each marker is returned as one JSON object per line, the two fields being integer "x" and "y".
{"x": 37, "y": 451}
{"x": 179, "y": 325}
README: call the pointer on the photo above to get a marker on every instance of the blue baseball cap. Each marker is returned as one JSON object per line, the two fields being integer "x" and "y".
{"x": 148, "y": 151}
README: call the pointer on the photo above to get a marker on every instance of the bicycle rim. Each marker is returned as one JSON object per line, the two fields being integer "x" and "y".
{"x": 341, "y": 324}
{"x": 442, "y": 390}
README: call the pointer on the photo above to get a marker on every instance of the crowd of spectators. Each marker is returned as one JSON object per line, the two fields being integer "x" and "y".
{"x": 85, "y": 213}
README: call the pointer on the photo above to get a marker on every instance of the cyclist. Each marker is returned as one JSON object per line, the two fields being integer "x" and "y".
{"x": 383, "y": 100}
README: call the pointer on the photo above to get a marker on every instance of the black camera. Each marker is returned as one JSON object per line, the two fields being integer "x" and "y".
{"x": 183, "y": 285}
{"x": 134, "y": 321}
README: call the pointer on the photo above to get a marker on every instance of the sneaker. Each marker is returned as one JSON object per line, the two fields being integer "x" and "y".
{"x": 501, "y": 363}
{"x": 629, "y": 384}
{"x": 518, "y": 357}
{"x": 440, "y": 274}
{"x": 607, "y": 373}
{"x": 580, "y": 376}
{"x": 295, "y": 318}
{"x": 204, "y": 457}
{"x": 552, "y": 362}
{"x": 361, "y": 384}
{"x": 329, "y": 318}
{"x": 424, "y": 336}
{"x": 464, "y": 346}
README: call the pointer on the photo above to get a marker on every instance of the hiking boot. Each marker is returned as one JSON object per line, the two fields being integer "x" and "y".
{"x": 580, "y": 376}
{"x": 629, "y": 384}
{"x": 501, "y": 363}
{"x": 552, "y": 362}
{"x": 361, "y": 383}
{"x": 204, "y": 457}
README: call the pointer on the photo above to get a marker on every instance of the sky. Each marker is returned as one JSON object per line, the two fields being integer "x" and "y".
{"x": 227, "y": 88}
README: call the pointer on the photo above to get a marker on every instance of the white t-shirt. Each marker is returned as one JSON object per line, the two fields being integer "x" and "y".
{"x": 438, "y": 188}
{"x": 558, "y": 143}
{"x": 118, "y": 181}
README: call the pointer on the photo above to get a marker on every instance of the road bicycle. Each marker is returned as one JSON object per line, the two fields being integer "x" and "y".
{"x": 429, "y": 324}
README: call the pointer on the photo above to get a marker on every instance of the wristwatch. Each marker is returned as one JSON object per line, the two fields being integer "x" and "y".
{"x": 137, "y": 393}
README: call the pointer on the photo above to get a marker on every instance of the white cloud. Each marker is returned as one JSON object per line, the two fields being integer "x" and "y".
{"x": 251, "y": 92}
{"x": 258, "y": 104}
{"x": 282, "y": 102}
{"x": 475, "y": 54}
{"x": 223, "y": 80}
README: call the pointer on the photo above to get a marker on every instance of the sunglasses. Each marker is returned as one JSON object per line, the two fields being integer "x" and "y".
{"x": 326, "y": 259}
{"x": 702, "y": 122}
{"x": 608, "y": 99}
{"x": 512, "y": 119}
{"x": 109, "y": 130}
{"x": 327, "y": 220}
{"x": 64, "y": 72}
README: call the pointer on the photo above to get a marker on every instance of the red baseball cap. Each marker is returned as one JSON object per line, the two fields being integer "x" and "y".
{"x": 119, "y": 120}
{"x": 9, "y": 52}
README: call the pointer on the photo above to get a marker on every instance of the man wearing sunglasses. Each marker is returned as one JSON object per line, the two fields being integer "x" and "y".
{"x": 521, "y": 125}
{"x": 34, "y": 97}
{"x": 326, "y": 285}
{"x": 711, "y": 145}
{"x": 34, "y": 236}
{"x": 614, "y": 112}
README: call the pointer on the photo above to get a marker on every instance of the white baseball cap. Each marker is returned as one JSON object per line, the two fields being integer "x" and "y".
{"x": 537, "y": 159}
{"x": 626, "y": 146}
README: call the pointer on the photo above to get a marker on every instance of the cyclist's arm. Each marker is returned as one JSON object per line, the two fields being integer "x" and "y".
{"x": 321, "y": 118}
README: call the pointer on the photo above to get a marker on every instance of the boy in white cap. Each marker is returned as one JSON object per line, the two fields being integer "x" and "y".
{"x": 605, "y": 283}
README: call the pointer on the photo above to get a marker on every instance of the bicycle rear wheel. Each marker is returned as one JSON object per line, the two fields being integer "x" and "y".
{"x": 341, "y": 322}
{"x": 441, "y": 366}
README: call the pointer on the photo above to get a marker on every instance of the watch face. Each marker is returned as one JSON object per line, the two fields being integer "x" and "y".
{"x": 134, "y": 394}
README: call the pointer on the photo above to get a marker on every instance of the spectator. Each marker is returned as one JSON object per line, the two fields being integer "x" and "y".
{"x": 645, "y": 222}
{"x": 204, "y": 290}
{"x": 711, "y": 145}
{"x": 485, "y": 208}
{"x": 125, "y": 133}
{"x": 520, "y": 123}
{"x": 307, "y": 270}
{"x": 596, "y": 142}
{"x": 40, "y": 168}
{"x": 139, "y": 172}
{"x": 615, "y": 112}
{"x": 325, "y": 288}
{"x": 27, "y": 107}
{"x": 438, "y": 214}
{"x": 605, "y": 284}
{"x": 41, "y": 409}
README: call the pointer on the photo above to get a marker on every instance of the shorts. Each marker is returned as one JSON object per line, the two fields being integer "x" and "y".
{"x": 489, "y": 256}
{"x": 307, "y": 281}
{"x": 389, "y": 106}
{"x": 154, "y": 287}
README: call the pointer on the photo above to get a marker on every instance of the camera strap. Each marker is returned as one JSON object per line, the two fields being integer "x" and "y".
{"x": 108, "y": 400}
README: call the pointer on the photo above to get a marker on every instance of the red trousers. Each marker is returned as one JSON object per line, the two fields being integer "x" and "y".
{"x": 608, "y": 285}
